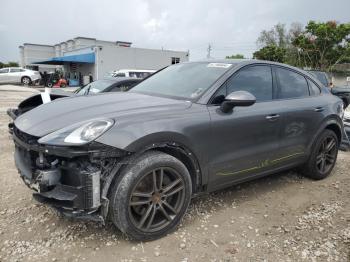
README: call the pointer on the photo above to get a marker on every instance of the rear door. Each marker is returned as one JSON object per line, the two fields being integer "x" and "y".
{"x": 4, "y": 75}
{"x": 301, "y": 111}
{"x": 244, "y": 142}
{"x": 15, "y": 75}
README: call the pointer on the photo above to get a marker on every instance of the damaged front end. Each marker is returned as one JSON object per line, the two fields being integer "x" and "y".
{"x": 73, "y": 180}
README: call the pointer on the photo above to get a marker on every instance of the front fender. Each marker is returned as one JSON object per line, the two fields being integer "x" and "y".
{"x": 158, "y": 138}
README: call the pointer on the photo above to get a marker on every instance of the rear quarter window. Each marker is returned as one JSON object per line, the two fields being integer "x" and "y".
{"x": 314, "y": 89}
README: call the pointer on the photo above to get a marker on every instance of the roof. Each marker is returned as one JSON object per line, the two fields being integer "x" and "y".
{"x": 135, "y": 70}
{"x": 247, "y": 62}
{"x": 120, "y": 79}
{"x": 82, "y": 37}
{"x": 88, "y": 58}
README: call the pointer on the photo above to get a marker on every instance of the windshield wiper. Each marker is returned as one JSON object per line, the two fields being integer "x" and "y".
{"x": 87, "y": 90}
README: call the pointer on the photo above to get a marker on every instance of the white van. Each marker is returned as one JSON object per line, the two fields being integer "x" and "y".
{"x": 134, "y": 73}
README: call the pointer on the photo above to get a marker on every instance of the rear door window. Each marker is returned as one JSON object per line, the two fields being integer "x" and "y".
{"x": 15, "y": 70}
{"x": 291, "y": 84}
{"x": 4, "y": 71}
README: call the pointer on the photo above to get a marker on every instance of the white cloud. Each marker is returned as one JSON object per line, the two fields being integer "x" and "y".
{"x": 231, "y": 26}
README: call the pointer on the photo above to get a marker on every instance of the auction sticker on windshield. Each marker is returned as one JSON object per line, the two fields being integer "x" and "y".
{"x": 220, "y": 65}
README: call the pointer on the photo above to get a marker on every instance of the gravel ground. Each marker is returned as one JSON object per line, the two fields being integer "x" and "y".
{"x": 283, "y": 217}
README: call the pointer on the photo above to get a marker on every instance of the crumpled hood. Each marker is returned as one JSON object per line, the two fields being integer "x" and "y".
{"x": 61, "y": 113}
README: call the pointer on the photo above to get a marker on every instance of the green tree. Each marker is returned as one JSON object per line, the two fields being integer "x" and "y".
{"x": 271, "y": 53}
{"x": 276, "y": 43}
{"x": 237, "y": 56}
{"x": 276, "y": 36}
{"x": 9, "y": 64}
{"x": 12, "y": 64}
{"x": 323, "y": 45}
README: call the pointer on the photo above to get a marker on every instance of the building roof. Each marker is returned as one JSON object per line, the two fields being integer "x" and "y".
{"x": 37, "y": 44}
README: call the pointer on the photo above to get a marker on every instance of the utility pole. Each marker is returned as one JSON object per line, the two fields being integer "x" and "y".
{"x": 209, "y": 50}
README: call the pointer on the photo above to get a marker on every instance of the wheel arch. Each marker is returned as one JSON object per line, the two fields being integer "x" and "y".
{"x": 336, "y": 129}
{"x": 186, "y": 156}
{"x": 332, "y": 123}
{"x": 172, "y": 147}
{"x": 176, "y": 145}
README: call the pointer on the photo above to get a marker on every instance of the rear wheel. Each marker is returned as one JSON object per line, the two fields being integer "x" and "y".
{"x": 323, "y": 157}
{"x": 150, "y": 197}
{"x": 26, "y": 80}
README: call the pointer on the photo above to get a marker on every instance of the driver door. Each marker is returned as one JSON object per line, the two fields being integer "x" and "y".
{"x": 245, "y": 141}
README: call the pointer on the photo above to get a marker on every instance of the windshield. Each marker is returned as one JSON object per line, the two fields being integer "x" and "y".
{"x": 188, "y": 80}
{"x": 320, "y": 76}
{"x": 94, "y": 87}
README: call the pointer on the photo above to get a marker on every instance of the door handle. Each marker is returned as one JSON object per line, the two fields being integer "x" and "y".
{"x": 272, "y": 117}
{"x": 319, "y": 109}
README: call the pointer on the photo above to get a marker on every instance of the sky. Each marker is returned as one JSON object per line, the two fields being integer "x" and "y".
{"x": 229, "y": 26}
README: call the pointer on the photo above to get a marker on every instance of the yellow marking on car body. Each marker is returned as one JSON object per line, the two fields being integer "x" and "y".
{"x": 263, "y": 164}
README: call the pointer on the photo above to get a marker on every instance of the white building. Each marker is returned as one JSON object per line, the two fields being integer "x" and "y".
{"x": 80, "y": 56}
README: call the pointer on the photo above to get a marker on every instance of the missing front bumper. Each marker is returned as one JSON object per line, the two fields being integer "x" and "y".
{"x": 73, "y": 180}
{"x": 67, "y": 184}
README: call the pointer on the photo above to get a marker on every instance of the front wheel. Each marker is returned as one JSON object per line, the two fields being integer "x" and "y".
{"x": 150, "y": 197}
{"x": 323, "y": 156}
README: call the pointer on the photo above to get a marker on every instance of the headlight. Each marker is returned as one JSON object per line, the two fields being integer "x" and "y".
{"x": 78, "y": 134}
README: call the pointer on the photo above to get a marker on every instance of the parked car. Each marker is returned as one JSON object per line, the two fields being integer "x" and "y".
{"x": 346, "y": 121}
{"x": 135, "y": 73}
{"x": 16, "y": 75}
{"x": 99, "y": 86}
{"x": 138, "y": 157}
{"x": 342, "y": 92}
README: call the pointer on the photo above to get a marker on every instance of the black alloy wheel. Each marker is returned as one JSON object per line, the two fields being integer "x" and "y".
{"x": 156, "y": 199}
{"x": 150, "y": 196}
{"x": 323, "y": 156}
{"x": 327, "y": 154}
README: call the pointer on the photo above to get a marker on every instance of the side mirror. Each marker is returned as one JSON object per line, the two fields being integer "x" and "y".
{"x": 238, "y": 98}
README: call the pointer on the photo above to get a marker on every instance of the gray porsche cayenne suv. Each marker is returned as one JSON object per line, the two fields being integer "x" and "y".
{"x": 139, "y": 157}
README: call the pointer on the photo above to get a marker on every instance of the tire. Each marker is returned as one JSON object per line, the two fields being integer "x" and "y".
{"x": 49, "y": 85}
{"x": 138, "y": 207}
{"x": 345, "y": 104}
{"x": 63, "y": 85}
{"x": 26, "y": 81}
{"x": 323, "y": 153}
